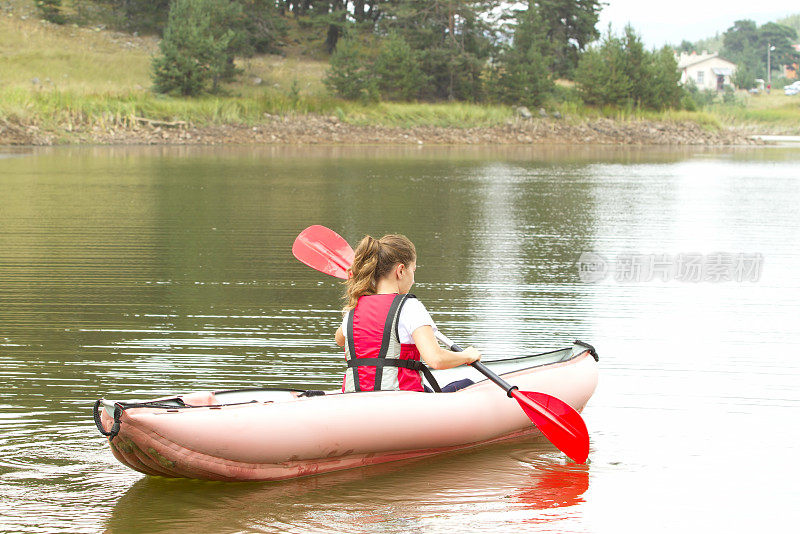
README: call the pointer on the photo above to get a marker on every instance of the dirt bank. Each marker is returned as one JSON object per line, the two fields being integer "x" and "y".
{"x": 309, "y": 129}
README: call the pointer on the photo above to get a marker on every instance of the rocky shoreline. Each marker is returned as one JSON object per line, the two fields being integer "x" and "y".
{"x": 312, "y": 129}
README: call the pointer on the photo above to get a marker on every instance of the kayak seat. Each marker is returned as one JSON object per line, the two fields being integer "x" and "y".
{"x": 453, "y": 386}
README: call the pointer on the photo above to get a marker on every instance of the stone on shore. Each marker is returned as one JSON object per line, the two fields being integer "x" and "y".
{"x": 330, "y": 129}
{"x": 523, "y": 112}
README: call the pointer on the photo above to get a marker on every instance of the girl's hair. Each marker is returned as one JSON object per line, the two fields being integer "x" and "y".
{"x": 374, "y": 259}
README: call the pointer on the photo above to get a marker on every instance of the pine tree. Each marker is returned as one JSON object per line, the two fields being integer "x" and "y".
{"x": 263, "y": 27}
{"x": 522, "y": 78}
{"x": 636, "y": 64}
{"x": 350, "y": 75}
{"x": 397, "y": 70}
{"x": 452, "y": 39}
{"x": 148, "y": 16}
{"x": 620, "y": 72}
{"x": 602, "y": 74}
{"x": 664, "y": 81}
{"x": 196, "y": 48}
{"x": 521, "y": 72}
{"x": 565, "y": 26}
{"x": 746, "y": 44}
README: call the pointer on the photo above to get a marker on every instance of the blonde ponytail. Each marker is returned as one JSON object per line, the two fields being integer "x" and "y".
{"x": 374, "y": 259}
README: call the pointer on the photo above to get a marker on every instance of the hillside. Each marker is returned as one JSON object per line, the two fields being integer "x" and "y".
{"x": 91, "y": 60}
{"x": 70, "y": 84}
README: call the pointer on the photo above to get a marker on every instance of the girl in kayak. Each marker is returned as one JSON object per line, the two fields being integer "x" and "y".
{"x": 386, "y": 330}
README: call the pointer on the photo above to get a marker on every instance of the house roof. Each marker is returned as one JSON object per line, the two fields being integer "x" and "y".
{"x": 688, "y": 60}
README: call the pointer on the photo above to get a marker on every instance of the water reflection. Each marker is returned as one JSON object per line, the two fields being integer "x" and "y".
{"x": 556, "y": 486}
{"x": 496, "y": 258}
{"x": 134, "y": 272}
{"x": 557, "y": 153}
{"x": 519, "y": 478}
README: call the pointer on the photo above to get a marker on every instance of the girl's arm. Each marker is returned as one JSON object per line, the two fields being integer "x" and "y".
{"x": 339, "y": 337}
{"x": 437, "y": 357}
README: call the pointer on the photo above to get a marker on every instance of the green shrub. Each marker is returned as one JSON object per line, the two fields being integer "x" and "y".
{"x": 567, "y": 96}
{"x": 700, "y": 98}
{"x": 744, "y": 78}
{"x": 196, "y": 51}
{"x": 350, "y": 75}
{"x": 687, "y": 102}
{"x": 620, "y": 72}
{"x": 780, "y": 82}
{"x": 602, "y": 76}
{"x": 399, "y": 76}
{"x": 663, "y": 89}
{"x": 728, "y": 95}
{"x": 452, "y": 74}
{"x": 521, "y": 79}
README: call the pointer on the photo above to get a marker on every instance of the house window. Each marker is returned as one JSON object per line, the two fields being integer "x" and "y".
{"x": 700, "y": 76}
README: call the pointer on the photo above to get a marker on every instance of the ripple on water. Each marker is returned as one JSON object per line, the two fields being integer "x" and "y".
{"x": 133, "y": 274}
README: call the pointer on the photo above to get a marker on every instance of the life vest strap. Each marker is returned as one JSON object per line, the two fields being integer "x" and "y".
{"x": 351, "y": 347}
{"x": 414, "y": 365}
{"x": 392, "y": 318}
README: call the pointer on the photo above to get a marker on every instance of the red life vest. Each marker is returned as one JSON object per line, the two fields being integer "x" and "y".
{"x": 376, "y": 359}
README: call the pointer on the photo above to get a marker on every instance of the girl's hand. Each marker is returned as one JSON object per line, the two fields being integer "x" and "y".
{"x": 471, "y": 354}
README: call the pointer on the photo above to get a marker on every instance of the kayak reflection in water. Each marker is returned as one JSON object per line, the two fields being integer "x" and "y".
{"x": 386, "y": 331}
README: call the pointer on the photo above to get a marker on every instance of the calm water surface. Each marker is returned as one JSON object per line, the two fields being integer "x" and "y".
{"x": 131, "y": 273}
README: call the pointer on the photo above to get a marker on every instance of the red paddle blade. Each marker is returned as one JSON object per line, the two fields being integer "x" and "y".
{"x": 324, "y": 250}
{"x": 558, "y": 421}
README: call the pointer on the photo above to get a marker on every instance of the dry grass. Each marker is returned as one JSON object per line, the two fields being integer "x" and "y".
{"x": 773, "y": 113}
{"x": 282, "y": 74}
{"x": 84, "y": 60}
{"x": 408, "y": 115}
{"x": 59, "y": 76}
{"x": 707, "y": 120}
{"x": 54, "y": 75}
{"x": 83, "y": 76}
{"x": 39, "y": 56}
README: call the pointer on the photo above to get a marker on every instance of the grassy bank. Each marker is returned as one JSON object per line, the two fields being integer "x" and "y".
{"x": 67, "y": 78}
{"x": 64, "y": 76}
{"x": 775, "y": 112}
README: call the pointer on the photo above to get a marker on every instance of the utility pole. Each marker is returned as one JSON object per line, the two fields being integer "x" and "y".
{"x": 770, "y": 48}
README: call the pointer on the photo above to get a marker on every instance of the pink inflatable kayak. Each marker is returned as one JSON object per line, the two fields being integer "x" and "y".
{"x": 268, "y": 434}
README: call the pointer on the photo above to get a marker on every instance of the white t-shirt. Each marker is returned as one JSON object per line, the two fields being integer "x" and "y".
{"x": 412, "y": 316}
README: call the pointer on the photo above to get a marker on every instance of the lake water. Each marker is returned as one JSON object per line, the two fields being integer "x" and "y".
{"x": 137, "y": 272}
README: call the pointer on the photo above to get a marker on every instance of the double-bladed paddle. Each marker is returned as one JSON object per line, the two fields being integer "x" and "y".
{"x": 323, "y": 249}
{"x": 326, "y": 251}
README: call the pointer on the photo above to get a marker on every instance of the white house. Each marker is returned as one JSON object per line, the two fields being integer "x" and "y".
{"x": 707, "y": 71}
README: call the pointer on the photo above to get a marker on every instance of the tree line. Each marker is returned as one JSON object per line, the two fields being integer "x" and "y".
{"x": 746, "y": 43}
{"x": 409, "y": 50}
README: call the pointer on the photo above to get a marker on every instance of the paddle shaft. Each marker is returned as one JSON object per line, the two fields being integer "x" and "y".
{"x": 485, "y": 371}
